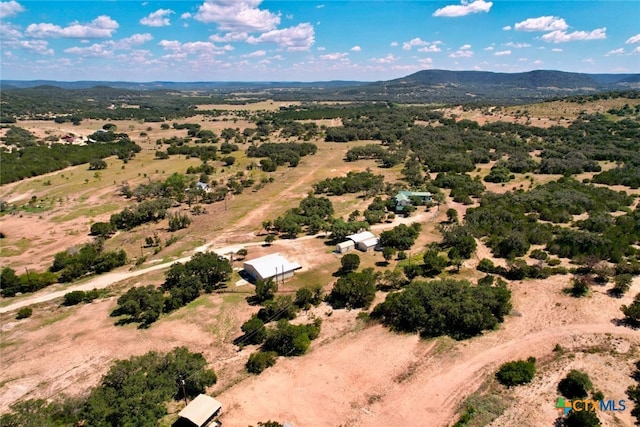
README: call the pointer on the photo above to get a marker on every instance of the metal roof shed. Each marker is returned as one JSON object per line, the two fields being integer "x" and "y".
{"x": 361, "y": 237}
{"x": 273, "y": 265}
{"x": 200, "y": 411}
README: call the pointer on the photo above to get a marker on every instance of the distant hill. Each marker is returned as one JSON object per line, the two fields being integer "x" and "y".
{"x": 440, "y": 86}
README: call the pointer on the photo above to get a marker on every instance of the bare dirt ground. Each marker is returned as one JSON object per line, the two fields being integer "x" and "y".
{"x": 354, "y": 374}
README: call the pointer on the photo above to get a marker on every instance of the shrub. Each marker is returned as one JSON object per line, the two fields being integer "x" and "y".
{"x": 254, "y": 331}
{"x": 355, "y": 290}
{"x": 517, "y": 372}
{"x": 350, "y": 262}
{"x": 24, "y": 312}
{"x": 582, "y": 419}
{"x": 261, "y": 360}
{"x": 576, "y": 385}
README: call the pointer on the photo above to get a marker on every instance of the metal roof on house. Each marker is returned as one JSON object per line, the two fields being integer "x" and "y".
{"x": 362, "y": 236}
{"x": 201, "y": 409}
{"x": 270, "y": 265}
{"x": 369, "y": 242}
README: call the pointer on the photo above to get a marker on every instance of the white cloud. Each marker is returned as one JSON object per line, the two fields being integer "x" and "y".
{"x": 101, "y": 27}
{"x": 355, "y": 49}
{"x": 229, "y": 37}
{"x": 634, "y": 39}
{"x": 543, "y": 23}
{"x": 298, "y": 38}
{"x": 636, "y": 50}
{"x": 40, "y": 47}
{"x": 9, "y": 32}
{"x": 503, "y": 53}
{"x": 433, "y": 47}
{"x": 159, "y": 18}
{"x": 463, "y": 52}
{"x": 185, "y": 15}
{"x": 507, "y": 28}
{"x": 414, "y": 42}
{"x": 517, "y": 45}
{"x": 615, "y": 52}
{"x": 563, "y": 36}
{"x": 191, "y": 48}
{"x": 393, "y": 44}
{"x": 426, "y": 62}
{"x": 538, "y": 62}
{"x": 10, "y": 8}
{"x": 386, "y": 60}
{"x": 237, "y": 15}
{"x": 557, "y": 49}
{"x": 334, "y": 56}
{"x": 464, "y": 9}
{"x": 107, "y": 48}
{"x": 320, "y": 6}
{"x": 256, "y": 54}
{"x": 321, "y": 48}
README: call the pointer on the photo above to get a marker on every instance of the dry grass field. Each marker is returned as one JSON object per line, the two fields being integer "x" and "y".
{"x": 356, "y": 373}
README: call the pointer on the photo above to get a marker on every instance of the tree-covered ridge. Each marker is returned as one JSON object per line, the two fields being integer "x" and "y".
{"x": 509, "y": 222}
{"x": 36, "y": 160}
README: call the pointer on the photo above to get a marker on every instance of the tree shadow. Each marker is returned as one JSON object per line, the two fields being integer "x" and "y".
{"x": 382, "y": 263}
{"x": 626, "y": 322}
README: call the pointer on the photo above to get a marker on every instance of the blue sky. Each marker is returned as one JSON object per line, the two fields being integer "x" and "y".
{"x": 255, "y": 40}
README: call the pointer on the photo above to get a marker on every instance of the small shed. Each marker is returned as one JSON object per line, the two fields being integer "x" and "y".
{"x": 360, "y": 237}
{"x": 344, "y": 247}
{"x": 371, "y": 243}
{"x": 268, "y": 266}
{"x": 199, "y": 412}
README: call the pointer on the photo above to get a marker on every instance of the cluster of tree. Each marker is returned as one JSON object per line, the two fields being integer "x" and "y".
{"x": 627, "y": 174}
{"x": 281, "y": 153}
{"x": 376, "y": 211}
{"x": 20, "y": 137}
{"x": 77, "y": 297}
{"x": 183, "y": 284}
{"x": 313, "y": 213}
{"x": 517, "y": 372}
{"x": 355, "y": 289}
{"x": 518, "y": 269}
{"x": 354, "y": 182}
{"x": 146, "y": 211}
{"x": 387, "y": 157}
{"x": 36, "y": 160}
{"x": 203, "y": 152}
{"x": 632, "y": 312}
{"x": 462, "y": 186}
{"x": 510, "y": 221}
{"x": 24, "y": 283}
{"x": 302, "y": 131}
{"x": 445, "y": 307}
{"x": 134, "y": 392}
{"x": 90, "y": 258}
{"x": 401, "y": 237}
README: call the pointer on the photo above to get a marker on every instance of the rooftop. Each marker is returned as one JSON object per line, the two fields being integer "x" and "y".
{"x": 200, "y": 409}
{"x": 359, "y": 237}
{"x": 270, "y": 265}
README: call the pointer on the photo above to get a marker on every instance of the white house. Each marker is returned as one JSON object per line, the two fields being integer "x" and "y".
{"x": 273, "y": 265}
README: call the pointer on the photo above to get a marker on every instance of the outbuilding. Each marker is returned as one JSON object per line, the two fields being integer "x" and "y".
{"x": 199, "y": 412}
{"x": 268, "y": 266}
{"x": 344, "y": 247}
{"x": 371, "y": 243}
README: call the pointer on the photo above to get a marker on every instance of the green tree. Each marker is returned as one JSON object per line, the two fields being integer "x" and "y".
{"x": 350, "y": 262}
{"x": 434, "y": 263}
{"x": 355, "y": 290}
{"x": 97, "y": 164}
{"x": 582, "y": 419}
{"x": 261, "y": 360}
{"x": 254, "y": 331}
{"x": 517, "y": 372}
{"x": 24, "y": 312}
{"x": 576, "y": 385}
{"x": 265, "y": 289}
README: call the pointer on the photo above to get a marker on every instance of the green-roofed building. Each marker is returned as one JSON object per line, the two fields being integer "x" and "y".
{"x": 405, "y": 197}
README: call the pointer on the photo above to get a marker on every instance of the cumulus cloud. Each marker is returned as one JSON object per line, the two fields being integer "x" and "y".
{"x": 40, "y": 47}
{"x": 634, "y": 39}
{"x": 10, "y": 8}
{"x": 159, "y": 18}
{"x": 256, "y": 54}
{"x": 542, "y": 23}
{"x": 507, "y": 28}
{"x": 185, "y": 15}
{"x": 557, "y": 50}
{"x": 413, "y": 42}
{"x": 9, "y": 32}
{"x": 517, "y": 45}
{"x": 393, "y": 44}
{"x": 385, "y": 60}
{"x": 334, "y": 56}
{"x": 615, "y": 52}
{"x": 107, "y": 48}
{"x": 433, "y": 47}
{"x": 191, "y": 48}
{"x": 355, "y": 49}
{"x": 464, "y": 52}
{"x": 466, "y": 8}
{"x": 229, "y": 37}
{"x": 101, "y": 27}
{"x": 298, "y": 38}
{"x": 563, "y": 36}
{"x": 237, "y": 15}
{"x": 502, "y": 53}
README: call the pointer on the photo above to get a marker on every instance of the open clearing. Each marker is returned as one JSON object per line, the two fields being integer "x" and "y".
{"x": 355, "y": 374}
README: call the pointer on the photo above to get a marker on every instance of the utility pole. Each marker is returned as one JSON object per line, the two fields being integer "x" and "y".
{"x": 184, "y": 391}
